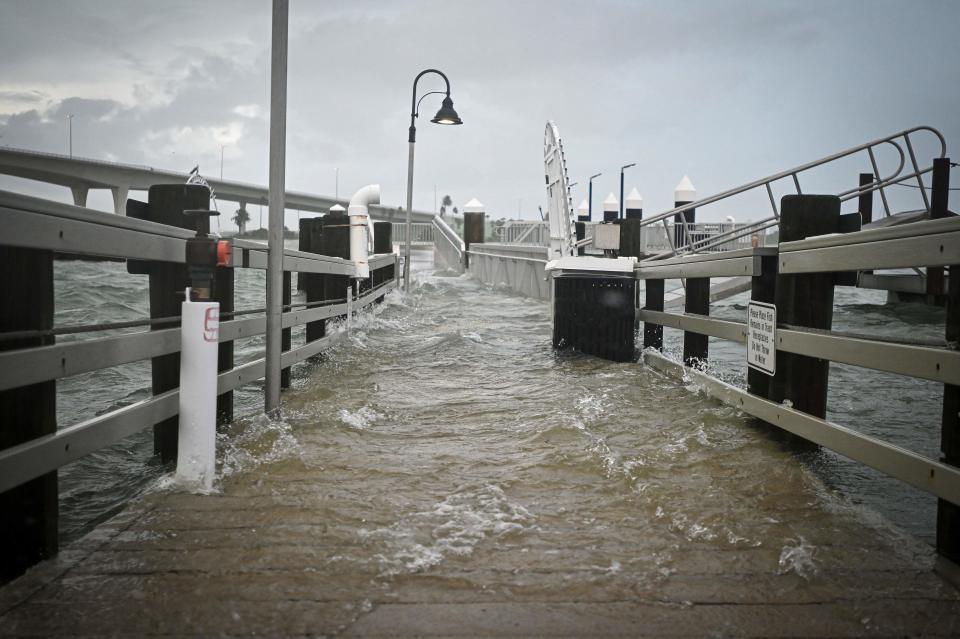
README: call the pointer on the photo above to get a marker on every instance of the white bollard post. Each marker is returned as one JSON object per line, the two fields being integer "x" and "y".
{"x": 199, "y": 334}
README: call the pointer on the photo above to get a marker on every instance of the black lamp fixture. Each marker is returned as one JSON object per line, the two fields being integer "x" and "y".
{"x": 446, "y": 115}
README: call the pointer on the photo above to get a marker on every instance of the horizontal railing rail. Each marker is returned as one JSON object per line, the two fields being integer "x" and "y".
{"x": 34, "y": 223}
{"x": 932, "y": 243}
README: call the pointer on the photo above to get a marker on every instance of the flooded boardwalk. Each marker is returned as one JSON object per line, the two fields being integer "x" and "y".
{"x": 444, "y": 472}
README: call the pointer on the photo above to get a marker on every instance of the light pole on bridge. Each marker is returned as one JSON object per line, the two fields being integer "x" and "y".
{"x": 622, "y": 168}
{"x": 70, "y": 125}
{"x": 590, "y": 197}
{"x": 446, "y": 115}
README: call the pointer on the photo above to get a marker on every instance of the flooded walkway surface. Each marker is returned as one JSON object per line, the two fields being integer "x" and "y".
{"x": 443, "y": 471}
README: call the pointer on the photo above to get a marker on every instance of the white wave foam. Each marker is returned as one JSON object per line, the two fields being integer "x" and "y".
{"x": 361, "y": 419}
{"x": 797, "y": 556}
{"x": 453, "y": 527}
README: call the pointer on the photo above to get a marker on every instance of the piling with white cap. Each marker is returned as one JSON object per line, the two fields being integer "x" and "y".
{"x": 583, "y": 211}
{"x": 360, "y": 235}
{"x": 633, "y": 205}
{"x": 685, "y": 193}
{"x": 611, "y": 208}
{"x": 583, "y": 214}
{"x": 631, "y": 231}
{"x": 196, "y": 450}
{"x": 474, "y": 223}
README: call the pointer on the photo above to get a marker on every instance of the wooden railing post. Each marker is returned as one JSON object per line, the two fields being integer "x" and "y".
{"x": 697, "y": 300}
{"x": 285, "y": 334}
{"x": 29, "y": 512}
{"x": 805, "y": 300}
{"x": 336, "y": 243}
{"x": 763, "y": 288}
{"x": 948, "y": 514}
{"x": 653, "y": 301}
{"x": 473, "y": 231}
{"x": 166, "y": 204}
{"x": 939, "y": 196}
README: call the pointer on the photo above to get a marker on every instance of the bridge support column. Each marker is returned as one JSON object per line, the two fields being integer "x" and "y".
{"x": 805, "y": 300}
{"x": 80, "y": 195}
{"x": 119, "y": 199}
{"x": 30, "y": 512}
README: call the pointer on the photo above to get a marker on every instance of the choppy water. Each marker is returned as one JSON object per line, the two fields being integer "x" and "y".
{"x": 449, "y": 418}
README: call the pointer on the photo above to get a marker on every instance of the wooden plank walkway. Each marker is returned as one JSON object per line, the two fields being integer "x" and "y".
{"x": 265, "y": 558}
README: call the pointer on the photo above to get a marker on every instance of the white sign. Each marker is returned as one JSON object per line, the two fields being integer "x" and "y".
{"x": 761, "y": 337}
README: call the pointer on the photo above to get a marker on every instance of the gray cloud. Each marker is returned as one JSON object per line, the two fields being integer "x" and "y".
{"x": 724, "y": 92}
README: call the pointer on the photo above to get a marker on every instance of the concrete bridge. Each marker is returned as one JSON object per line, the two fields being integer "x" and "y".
{"x": 82, "y": 174}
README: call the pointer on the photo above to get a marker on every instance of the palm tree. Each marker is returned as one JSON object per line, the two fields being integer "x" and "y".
{"x": 240, "y": 219}
{"x": 447, "y": 201}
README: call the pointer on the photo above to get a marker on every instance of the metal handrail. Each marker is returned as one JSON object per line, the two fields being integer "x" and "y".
{"x": 878, "y": 185}
{"x": 448, "y": 234}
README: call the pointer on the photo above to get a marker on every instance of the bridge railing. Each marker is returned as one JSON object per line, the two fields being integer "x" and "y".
{"x": 421, "y": 233}
{"x": 448, "y": 248}
{"x": 30, "y": 357}
{"x": 797, "y": 279}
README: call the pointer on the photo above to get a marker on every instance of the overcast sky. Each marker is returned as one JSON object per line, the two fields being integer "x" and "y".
{"x": 725, "y": 92}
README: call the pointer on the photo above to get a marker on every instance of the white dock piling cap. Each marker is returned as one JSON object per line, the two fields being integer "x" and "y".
{"x": 633, "y": 201}
{"x": 685, "y": 192}
{"x": 584, "y": 207}
{"x": 473, "y": 206}
{"x": 611, "y": 203}
{"x": 336, "y": 208}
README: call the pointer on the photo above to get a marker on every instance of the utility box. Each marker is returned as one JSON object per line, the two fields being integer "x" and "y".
{"x": 593, "y": 306}
{"x": 606, "y": 237}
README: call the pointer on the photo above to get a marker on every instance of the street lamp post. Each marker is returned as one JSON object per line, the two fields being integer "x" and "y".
{"x": 590, "y": 198}
{"x": 70, "y": 124}
{"x": 625, "y": 166}
{"x": 446, "y": 115}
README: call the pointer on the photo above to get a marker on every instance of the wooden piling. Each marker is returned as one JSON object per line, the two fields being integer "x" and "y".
{"x": 285, "y": 334}
{"x": 382, "y": 243}
{"x": 653, "y": 301}
{"x": 939, "y": 197}
{"x": 336, "y": 243}
{"x": 763, "y": 288}
{"x": 865, "y": 200}
{"x": 948, "y": 514}
{"x": 29, "y": 512}
{"x": 165, "y": 205}
{"x": 696, "y": 300}
{"x": 473, "y": 231}
{"x": 805, "y": 300}
{"x": 311, "y": 241}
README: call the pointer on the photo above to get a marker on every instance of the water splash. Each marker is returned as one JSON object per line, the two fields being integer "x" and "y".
{"x": 797, "y": 556}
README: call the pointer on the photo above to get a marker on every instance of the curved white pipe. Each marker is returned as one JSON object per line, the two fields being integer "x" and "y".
{"x": 360, "y": 235}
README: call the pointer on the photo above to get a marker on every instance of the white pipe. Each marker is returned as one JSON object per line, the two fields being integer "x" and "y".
{"x": 196, "y": 450}
{"x": 359, "y": 222}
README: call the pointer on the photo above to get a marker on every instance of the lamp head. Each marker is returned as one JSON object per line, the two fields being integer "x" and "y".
{"x": 447, "y": 114}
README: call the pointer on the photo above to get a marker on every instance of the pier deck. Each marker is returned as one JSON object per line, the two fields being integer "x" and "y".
{"x": 264, "y": 557}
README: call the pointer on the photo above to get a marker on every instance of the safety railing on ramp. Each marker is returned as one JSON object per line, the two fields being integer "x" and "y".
{"x": 448, "y": 248}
